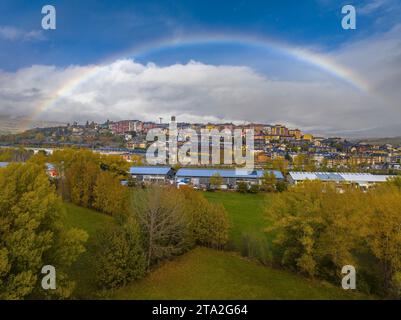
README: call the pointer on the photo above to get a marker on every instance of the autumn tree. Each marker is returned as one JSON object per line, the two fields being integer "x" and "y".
{"x": 15, "y": 155}
{"x": 384, "y": 234}
{"x": 109, "y": 195}
{"x": 39, "y": 158}
{"x": 81, "y": 178}
{"x": 216, "y": 180}
{"x": 114, "y": 164}
{"x": 320, "y": 227}
{"x": 159, "y": 212}
{"x": 82, "y": 182}
{"x": 303, "y": 162}
{"x": 119, "y": 256}
{"x": 208, "y": 222}
{"x": 32, "y": 234}
{"x": 304, "y": 220}
{"x": 280, "y": 164}
{"x": 242, "y": 187}
{"x": 268, "y": 181}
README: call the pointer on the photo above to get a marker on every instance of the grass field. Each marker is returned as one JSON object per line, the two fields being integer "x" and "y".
{"x": 82, "y": 271}
{"x": 209, "y": 274}
{"x": 245, "y": 212}
{"x": 89, "y": 220}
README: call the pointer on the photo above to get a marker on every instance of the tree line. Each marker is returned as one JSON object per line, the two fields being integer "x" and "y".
{"x": 151, "y": 224}
{"x": 32, "y": 234}
{"x": 319, "y": 228}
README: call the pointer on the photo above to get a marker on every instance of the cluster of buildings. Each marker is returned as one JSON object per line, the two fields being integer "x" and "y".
{"x": 271, "y": 142}
{"x": 279, "y": 142}
{"x": 134, "y": 128}
{"x": 199, "y": 178}
{"x": 202, "y": 178}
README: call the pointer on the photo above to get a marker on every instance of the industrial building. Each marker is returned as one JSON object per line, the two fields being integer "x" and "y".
{"x": 230, "y": 177}
{"x": 152, "y": 174}
{"x": 363, "y": 180}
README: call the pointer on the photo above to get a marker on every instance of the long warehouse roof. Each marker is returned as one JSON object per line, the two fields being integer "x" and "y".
{"x": 225, "y": 173}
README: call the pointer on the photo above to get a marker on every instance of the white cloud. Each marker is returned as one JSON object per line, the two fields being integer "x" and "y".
{"x": 200, "y": 92}
{"x": 15, "y": 34}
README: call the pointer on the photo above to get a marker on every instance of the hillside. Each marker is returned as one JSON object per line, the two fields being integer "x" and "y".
{"x": 395, "y": 141}
{"x": 209, "y": 274}
{"x": 17, "y": 125}
{"x": 201, "y": 273}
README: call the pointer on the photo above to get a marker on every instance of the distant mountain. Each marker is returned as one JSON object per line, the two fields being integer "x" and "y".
{"x": 379, "y": 132}
{"x": 382, "y": 132}
{"x": 16, "y": 125}
{"x": 395, "y": 141}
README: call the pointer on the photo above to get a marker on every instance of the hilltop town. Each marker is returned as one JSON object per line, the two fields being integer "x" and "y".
{"x": 287, "y": 147}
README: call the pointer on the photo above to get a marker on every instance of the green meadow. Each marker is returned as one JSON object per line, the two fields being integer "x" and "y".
{"x": 245, "y": 212}
{"x": 209, "y": 274}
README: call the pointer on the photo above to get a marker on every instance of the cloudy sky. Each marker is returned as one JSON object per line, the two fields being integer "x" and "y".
{"x": 266, "y": 61}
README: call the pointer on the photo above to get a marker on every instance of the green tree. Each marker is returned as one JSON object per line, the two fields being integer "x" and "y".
{"x": 81, "y": 178}
{"x": 208, "y": 223}
{"x": 242, "y": 187}
{"x": 254, "y": 188}
{"x": 269, "y": 181}
{"x": 79, "y": 171}
{"x": 39, "y": 158}
{"x": 279, "y": 164}
{"x": 303, "y": 162}
{"x": 316, "y": 228}
{"x": 32, "y": 234}
{"x": 281, "y": 186}
{"x": 384, "y": 234}
{"x": 119, "y": 256}
{"x": 216, "y": 180}
{"x": 109, "y": 195}
{"x": 15, "y": 155}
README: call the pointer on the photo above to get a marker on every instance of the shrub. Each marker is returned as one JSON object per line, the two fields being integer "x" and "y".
{"x": 242, "y": 187}
{"x": 256, "y": 248}
{"x": 254, "y": 188}
{"x": 281, "y": 186}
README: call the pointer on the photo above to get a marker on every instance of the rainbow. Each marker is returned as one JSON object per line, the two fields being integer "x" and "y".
{"x": 318, "y": 60}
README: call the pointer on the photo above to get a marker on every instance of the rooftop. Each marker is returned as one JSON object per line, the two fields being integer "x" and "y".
{"x": 225, "y": 173}
{"x": 3, "y": 164}
{"x": 150, "y": 170}
{"x": 338, "y": 176}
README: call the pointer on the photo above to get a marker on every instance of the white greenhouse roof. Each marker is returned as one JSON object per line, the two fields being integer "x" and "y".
{"x": 338, "y": 176}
